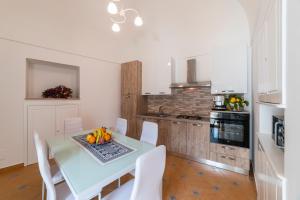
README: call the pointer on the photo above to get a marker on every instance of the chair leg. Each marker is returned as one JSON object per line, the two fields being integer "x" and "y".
{"x": 43, "y": 190}
{"x": 119, "y": 182}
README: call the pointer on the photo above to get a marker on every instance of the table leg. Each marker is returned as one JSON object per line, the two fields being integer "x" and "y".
{"x": 43, "y": 190}
{"x": 99, "y": 196}
{"x": 119, "y": 182}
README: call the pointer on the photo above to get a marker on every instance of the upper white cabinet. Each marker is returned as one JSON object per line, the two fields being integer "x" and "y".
{"x": 156, "y": 77}
{"x": 48, "y": 121}
{"x": 268, "y": 55}
{"x": 229, "y": 70}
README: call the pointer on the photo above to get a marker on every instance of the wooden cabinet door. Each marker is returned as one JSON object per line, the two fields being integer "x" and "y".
{"x": 129, "y": 106}
{"x": 139, "y": 127}
{"x": 163, "y": 131}
{"x": 198, "y": 140}
{"x": 131, "y": 78}
{"x": 177, "y": 137}
{"x": 63, "y": 112}
{"x": 42, "y": 120}
{"x": 132, "y": 128}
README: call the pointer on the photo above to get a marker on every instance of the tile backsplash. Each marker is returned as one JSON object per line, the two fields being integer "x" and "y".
{"x": 196, "y": 101}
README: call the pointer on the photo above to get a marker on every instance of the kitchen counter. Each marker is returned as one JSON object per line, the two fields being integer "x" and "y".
{"x": 173, "y": 118}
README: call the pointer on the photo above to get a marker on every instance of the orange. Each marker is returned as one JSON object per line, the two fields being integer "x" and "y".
{"x": 107, "y": 137}
{"x": 92, "y": 139}
{"x": 88, "y": 137}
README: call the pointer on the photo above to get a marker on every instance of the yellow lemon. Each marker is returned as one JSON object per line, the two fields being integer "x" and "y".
{"x": 232, "y": 100}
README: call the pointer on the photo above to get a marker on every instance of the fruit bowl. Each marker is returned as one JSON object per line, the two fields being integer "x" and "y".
{"x": 99, "y": 136}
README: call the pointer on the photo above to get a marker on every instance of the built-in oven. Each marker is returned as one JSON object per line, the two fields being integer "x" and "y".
{"x": 231, "y": 128}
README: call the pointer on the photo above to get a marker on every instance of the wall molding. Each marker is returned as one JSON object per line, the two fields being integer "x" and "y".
{"x": 58, "y": 50}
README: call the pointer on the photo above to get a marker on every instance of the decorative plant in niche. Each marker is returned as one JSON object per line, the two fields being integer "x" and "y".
{"x": 59, "y": 92}
{"x": 235, "y": 102}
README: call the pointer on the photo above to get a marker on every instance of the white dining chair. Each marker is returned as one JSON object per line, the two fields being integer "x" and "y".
{"x": 73, "y": 125}
{"x": 147, "y": 184}
{"x": 121, "y": 126}
{"x": 55, "y": 190}
{"x": 149, "y": 133}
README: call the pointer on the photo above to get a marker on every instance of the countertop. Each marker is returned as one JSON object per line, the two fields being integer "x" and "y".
{"x": 173, "y": 118}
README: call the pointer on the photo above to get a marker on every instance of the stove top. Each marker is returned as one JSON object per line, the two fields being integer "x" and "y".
{"x": 190, "y": 117}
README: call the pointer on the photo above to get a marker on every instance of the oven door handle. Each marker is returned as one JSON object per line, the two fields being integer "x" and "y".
{"x": 215, "y": 124}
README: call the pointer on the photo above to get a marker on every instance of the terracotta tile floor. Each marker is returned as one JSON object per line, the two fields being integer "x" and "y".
{"x": 183, "y": 180}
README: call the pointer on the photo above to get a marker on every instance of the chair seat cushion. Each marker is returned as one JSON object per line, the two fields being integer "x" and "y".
{"x": 57, "y": 177}
{"x": 63, "y": 192}
{"x": 122, "y": 193}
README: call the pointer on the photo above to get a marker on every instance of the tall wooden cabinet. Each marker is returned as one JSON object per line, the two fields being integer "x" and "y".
{"x": 131, "y": 88}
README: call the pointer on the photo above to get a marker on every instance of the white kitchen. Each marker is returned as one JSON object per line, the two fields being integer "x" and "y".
{"x": 127, "y": 99}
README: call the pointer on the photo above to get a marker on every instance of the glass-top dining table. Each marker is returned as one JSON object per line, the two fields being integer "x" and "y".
{"x": 84, "y": 174}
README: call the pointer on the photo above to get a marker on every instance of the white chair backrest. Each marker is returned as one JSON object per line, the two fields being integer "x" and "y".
{"x": 149, "y": 132}
{"x": 73, "y": 125}
{"x": 149, "y": 172}
{"x": 121, "y": 126}
{"x": 41, "y": 150}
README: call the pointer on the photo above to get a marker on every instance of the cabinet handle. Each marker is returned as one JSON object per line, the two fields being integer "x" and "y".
{"x": 231, "y": 158}
{"x": 147, "y": 93}
{"x": 228, "y": 157}
{"x": 227, "y": 91}
{"x": 176, "y": 123}
{"x": 272, "y": 91}
{"x": 230, "y": 148}
{"x": 162, "y": 93}
{"x": 198, "y": 125}
{"x": 259, "y": 147}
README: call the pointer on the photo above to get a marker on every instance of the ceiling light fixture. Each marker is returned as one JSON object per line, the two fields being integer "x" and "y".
{"x": 116, "y": 28}
{"x": 112, "y": 8}
{"x": 120, "y": 17}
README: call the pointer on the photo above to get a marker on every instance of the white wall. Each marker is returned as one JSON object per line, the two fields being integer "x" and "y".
{"x": 292, "y": 158}
{"x": 73, "y": 32}
{"x": 186, "y": 28}
{"x": 100, "y": 93}
{"x": 76, "y": 26}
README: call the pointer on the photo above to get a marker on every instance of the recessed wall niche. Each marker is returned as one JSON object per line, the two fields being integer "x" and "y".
{"x": 42, "y": 75}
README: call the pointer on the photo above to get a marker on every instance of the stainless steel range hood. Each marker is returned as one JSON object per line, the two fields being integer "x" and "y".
{"x": 191, "y": 77}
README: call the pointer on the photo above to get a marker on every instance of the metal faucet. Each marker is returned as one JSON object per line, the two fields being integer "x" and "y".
{"x": 160, "y": 110}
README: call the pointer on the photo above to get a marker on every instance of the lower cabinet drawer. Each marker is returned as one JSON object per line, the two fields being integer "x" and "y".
{"x": 230, "y": 150}
{"x": 230, "y": 160}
